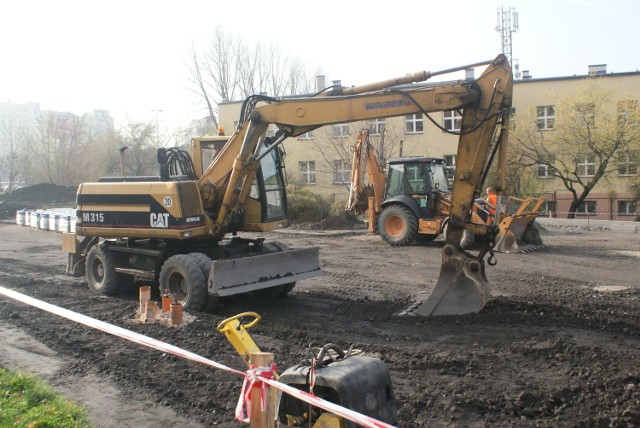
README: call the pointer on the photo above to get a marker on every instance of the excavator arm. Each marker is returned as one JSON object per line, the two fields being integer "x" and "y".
{"x": 485, "y": 103}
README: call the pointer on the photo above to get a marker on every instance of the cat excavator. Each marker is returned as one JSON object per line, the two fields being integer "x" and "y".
{"x": 172, "y": 229}
{"x": 411, "y": 202}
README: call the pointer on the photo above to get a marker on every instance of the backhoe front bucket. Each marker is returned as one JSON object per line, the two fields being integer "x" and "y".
{"x": 462, "y": 287}
{"x": 244, "y": 274}
{"x": 518, "y": 234}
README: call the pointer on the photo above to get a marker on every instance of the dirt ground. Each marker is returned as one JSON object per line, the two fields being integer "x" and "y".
{"x": 558, "y": 344}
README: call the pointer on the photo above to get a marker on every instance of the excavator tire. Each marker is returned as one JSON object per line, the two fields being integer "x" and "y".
{"x": 397, "y": 225}
{"x": 182, "y": 275}
{"x": 101, "y": 274}
{"x": 205, "y": 264}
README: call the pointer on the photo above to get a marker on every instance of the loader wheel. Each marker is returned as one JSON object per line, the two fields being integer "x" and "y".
{"x": 397, "y": 225}
{"x": 182, "y": 275}
{"x": 101, "y": 273}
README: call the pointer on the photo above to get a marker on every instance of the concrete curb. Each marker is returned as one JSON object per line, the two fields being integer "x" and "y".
{"x": 587, "y": 224}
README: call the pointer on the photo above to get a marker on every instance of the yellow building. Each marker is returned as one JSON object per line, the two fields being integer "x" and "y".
{"x": 322, "y": 159}
{"x": 611, "y": 198}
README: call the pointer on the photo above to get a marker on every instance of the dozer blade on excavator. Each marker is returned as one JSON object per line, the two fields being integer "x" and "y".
{"x": 518, "y": 232}
{"x": 251, "y": 273}
{"x": 462, "y": 287}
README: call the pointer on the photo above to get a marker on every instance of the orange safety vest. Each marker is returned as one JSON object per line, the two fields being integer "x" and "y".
{"x": 493, "y": 200}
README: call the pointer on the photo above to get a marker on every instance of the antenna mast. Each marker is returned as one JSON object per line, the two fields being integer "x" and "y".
{"x": 507, "y": 24}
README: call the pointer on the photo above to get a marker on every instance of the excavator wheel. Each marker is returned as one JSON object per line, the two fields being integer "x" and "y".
{"x": 205, "y": 264}
{"x": 101, "y": 273}
{"x": 182, "y": 275}
{"x": 397, "y": 225}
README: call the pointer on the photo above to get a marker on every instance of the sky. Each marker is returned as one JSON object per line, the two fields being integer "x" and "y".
{"x": 130, "y": 56}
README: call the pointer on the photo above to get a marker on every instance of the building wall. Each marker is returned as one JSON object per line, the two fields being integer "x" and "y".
{"x": 610, "y": 191}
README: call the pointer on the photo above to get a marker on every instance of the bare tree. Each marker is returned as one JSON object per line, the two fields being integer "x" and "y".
{"x": 139, "y": 138}
{"x": 337, "y": 142}
{"x": 579, "y": 139}
{"x": 234, "y": 68}
{"x": 59, "y": 149}
{"x": 14, "y": 141}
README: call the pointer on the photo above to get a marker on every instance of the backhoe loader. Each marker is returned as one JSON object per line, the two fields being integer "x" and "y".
{"x": 172, "y": 228}
{"x": 411, "y": 203}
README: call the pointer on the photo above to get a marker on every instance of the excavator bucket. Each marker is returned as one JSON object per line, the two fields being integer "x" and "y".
{"x": 462, "y": 287}
{"x": 518, "y": 231}
{"x": 244, "y": 274}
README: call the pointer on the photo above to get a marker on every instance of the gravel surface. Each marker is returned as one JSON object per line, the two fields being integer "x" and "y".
{"x": 558, "y": 344}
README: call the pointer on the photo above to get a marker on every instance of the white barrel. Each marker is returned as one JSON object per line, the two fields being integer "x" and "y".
{"x": 35, "y": 218}
{"x": 44, "y": 221}
{"x": 54, "y": 216}
{"x": 63, "y": 223}
{"x": 20, "y": 217}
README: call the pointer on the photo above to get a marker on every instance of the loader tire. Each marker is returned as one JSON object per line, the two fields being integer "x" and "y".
{"x": 101, "y": 274}
{"x": 397, "y": 225}
{"x": 182, "y": 275}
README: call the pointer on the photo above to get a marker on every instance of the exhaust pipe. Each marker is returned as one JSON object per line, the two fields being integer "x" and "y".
{"x": 122, "y": 149}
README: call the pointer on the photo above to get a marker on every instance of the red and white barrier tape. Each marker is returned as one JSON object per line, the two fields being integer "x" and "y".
{"x": 149, "y": 342}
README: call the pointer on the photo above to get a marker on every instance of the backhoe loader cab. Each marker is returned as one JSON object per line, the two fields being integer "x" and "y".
{"x": 415, "y": 176}
{"x": 412, "y": 208}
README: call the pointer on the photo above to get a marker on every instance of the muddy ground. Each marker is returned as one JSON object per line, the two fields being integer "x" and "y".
{"x": 557, "y": 345}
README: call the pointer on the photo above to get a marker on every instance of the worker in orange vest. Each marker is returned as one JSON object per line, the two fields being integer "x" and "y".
{"x": 492, "y": 200}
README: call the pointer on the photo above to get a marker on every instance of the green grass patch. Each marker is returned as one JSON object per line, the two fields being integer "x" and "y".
{"x": 28, "y": 402}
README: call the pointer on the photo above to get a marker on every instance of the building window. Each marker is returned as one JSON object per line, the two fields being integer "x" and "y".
{"x": 306, "y": 136}
{"x": 341, "y": 130}
{"x": 545, "y": 117}
{"x": 450, "y": 166}
{"x": 587, "y": 114}
{"x": 586, "y": 207}
{"x": 548, "y": 208}
{"x": 452, "y": 120}
{"x": 628, "y": 207}
{"x": 341, "y": 172}
{"x": 414, "y": 123}
{"x": 627, "y": 113}
{"x": 543, "y": 171}
{"x": 308, "y": 172}
{"x": 376, "y": 126}
{"x": 586, "y": 165}
{"x": 628, "y": 163}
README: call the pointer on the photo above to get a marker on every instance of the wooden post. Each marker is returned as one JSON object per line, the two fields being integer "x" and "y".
{"x": 262, "y": 418}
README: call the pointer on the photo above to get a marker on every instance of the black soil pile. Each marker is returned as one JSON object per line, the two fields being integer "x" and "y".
{"x": 38, "y": 196}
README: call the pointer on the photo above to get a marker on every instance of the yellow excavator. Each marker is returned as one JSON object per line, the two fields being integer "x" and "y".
{"x": 172, "y": 229}
{"x": 411, "y": 203}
